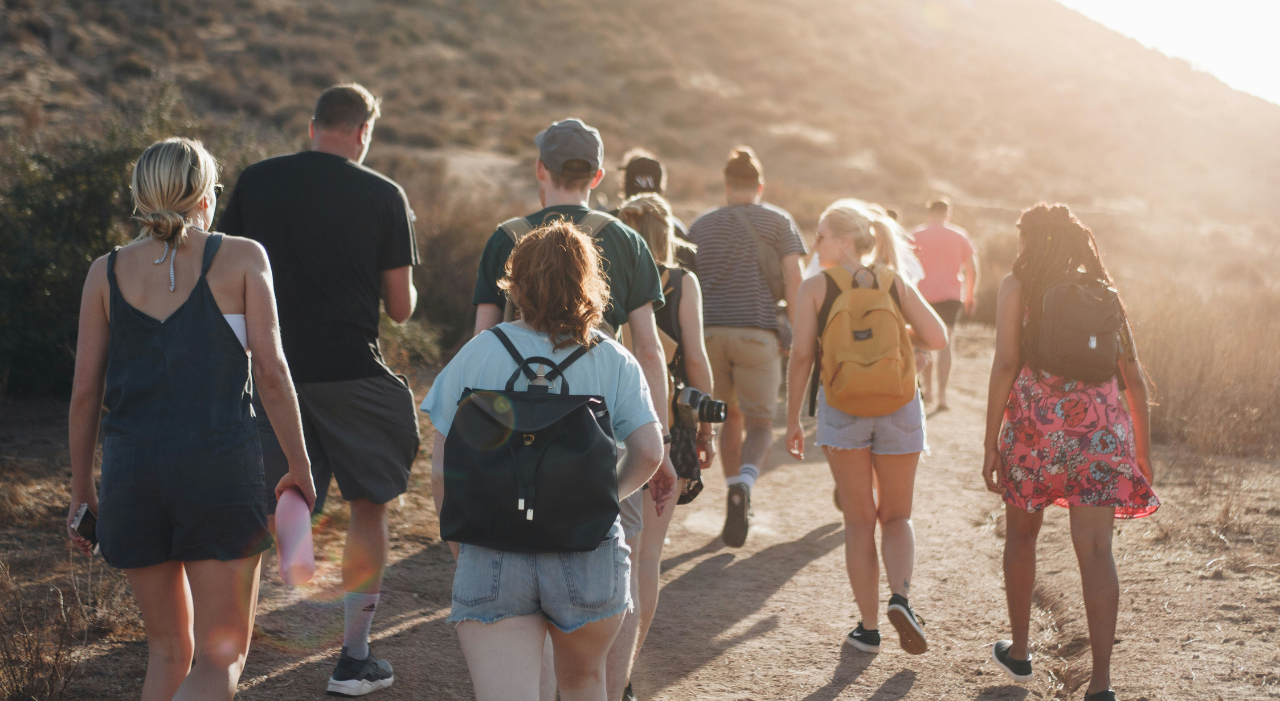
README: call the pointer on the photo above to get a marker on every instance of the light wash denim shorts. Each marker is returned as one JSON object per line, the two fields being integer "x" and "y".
{"x": 570, "y": 589}
{"x": 898, "y": 433}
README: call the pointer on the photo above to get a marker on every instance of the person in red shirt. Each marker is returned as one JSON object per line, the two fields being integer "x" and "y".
{"x": 945, "y": 252}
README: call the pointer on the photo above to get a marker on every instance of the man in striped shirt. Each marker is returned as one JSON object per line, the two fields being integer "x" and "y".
{"x": 741, "y": 319}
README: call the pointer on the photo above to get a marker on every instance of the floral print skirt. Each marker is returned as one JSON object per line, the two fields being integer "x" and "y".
{"x": 1071, "y": 444}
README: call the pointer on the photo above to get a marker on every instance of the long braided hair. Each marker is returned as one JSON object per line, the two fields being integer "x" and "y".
{"x": 1056, "y": 248}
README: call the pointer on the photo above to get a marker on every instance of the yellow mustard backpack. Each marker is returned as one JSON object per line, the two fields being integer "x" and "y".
{"x": 867, "y": 365}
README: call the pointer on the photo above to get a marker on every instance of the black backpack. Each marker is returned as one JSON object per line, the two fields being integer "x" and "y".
{"x": 1079, "y": 335}
{"x": 531, "y": 471}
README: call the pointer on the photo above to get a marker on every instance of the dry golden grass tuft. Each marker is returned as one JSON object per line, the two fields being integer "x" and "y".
{"x": 1212, "y": 356}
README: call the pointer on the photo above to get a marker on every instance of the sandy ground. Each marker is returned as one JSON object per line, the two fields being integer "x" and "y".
{"x": 767, "y": 621}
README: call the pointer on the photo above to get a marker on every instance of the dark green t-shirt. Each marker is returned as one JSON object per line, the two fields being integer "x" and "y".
{"x": 633, "y": 276}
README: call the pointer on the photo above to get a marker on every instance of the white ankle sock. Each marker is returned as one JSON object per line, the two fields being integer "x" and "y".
{"x": 358, "y": 612}
{"x": 746, "y": 475}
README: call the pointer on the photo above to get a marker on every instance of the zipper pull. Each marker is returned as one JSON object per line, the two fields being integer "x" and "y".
{"x": 528, "y": 515}
{"x": 520, "y": 504}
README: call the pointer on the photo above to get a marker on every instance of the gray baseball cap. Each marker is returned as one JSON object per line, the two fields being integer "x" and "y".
{"x": 569, "y": 140}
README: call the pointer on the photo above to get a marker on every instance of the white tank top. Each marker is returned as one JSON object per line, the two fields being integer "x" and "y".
{"x": 236, "y": 322}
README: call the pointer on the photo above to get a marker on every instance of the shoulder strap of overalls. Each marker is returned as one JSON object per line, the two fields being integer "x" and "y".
{"x": 211, "y": 246}
{"x": 111, "y": 268}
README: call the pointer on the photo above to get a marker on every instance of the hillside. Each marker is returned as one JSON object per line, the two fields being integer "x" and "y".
{"x": 992, "y": 101}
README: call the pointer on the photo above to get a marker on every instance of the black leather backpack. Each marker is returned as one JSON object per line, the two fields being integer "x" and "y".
{"x": 530, "y": 471}
{"x": 1080, "y": 332}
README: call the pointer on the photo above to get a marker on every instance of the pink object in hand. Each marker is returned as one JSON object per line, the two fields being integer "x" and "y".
{"x": 293, "y": 538}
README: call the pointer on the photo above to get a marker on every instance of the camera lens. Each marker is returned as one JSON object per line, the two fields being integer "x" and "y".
{"x": 712, "y": 411}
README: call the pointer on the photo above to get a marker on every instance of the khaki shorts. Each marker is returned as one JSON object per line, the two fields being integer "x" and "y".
{"x": 745, "y": 367}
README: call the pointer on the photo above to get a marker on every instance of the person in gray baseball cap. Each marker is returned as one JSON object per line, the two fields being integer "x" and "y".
{"x": 570, "y": 164}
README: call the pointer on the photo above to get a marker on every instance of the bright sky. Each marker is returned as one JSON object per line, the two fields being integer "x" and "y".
{"x": 1235, "y": 40}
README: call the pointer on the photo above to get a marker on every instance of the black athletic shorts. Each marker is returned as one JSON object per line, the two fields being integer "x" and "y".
{"x": 362, "y": 432}
{"x": 949, "y": 310}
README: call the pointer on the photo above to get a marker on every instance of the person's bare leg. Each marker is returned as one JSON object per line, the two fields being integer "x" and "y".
{"x": 852, "y": 472}
{"x": 1020, "y": 534}
{"x": 944, "y": 372}
{"x": 622, "y": 652}
{"x": 1091, "y": 535}
{"x": 731, "y": 442}
{"x": 755, "y": 448}
{"x": 504, "y": 657}
{"x": 649, "y": 562}
{"x": 224, "y": 597}
{"x": 364, "y": 559}
{"x": 547, "y": 686}
{"x": 926, "y": 394}
{"x": 895, "y": 481}
{"x": 165, "y": 603}
{"x": 580, "y": 660}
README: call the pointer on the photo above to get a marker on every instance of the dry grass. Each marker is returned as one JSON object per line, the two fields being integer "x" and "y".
{"x": 1212, "y": 356}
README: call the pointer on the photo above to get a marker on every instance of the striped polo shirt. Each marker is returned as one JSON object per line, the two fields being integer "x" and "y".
{"x": 734, "y": 292}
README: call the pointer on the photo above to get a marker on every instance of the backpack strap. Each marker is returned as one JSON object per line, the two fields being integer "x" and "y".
{"x": 595, "y": 221}
{"x": 885, "y": 278}
{"x": 833, "y": 292}
{"x": 523, "y": 365}
{"x": 515, "y": 229}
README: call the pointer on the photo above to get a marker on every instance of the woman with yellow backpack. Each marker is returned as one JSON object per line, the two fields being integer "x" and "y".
{"x": 863, "y": 325}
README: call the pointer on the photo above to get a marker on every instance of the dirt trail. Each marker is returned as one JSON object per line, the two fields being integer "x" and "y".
{"x": 766, "y": 621}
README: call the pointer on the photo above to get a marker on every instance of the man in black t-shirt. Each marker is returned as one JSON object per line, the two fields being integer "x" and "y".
{"x": 339, "y": 237}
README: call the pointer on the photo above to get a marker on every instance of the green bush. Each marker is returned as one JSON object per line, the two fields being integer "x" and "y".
{"x": 65, "y": 203}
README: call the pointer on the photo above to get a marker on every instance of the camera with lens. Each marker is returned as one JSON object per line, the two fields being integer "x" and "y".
{"x": 708, "y": 410}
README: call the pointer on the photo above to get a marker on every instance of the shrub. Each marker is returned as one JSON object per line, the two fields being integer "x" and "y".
{"x": 62, "y": 205}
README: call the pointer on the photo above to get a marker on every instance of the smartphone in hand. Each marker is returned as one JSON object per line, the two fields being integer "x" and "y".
{"x": 86, "y": 524}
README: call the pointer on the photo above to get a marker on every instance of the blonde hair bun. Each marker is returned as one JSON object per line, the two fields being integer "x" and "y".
{"x": 170, "y": 177}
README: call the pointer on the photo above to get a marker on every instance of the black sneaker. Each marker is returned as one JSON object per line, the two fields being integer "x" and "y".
{"x": 628, "y": 694}
{"x": 1107, "y": 695}
{"x": 354, "y": 677}
{"x": 862, "y": 639}
{"x": 737, "y": 516}
{"x": 1018, "y": 670}
{"x": 910, "y": 626}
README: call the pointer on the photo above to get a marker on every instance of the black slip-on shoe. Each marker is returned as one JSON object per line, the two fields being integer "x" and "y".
{"x": 354, "y": 677}
{"x": 910, "y": 626}
{"x": 1017, "y": 670}
{"x": 1107, "y": 695}
{"x": 737, "y": 517}
{"x": 862, "y": 639}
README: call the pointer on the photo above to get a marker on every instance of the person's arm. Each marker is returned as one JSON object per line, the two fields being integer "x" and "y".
{"x": 971, "y": 284}
{"x": 804, "y": 344}
{"x": 645, "y": 456}
{"x": 792, "y": 275}
{"x": 92, "y": 349}
{"x": 653, "y": 363}
{"x": 399, "y": 296}
{"x": 696, "y": 365}
{"x": 271, "y": 373}
{"x": 437, "y": 481}
{"x": 1135, "y": 394}
{"x": 487, "y": 317}
{"x": 1004, "y": 370}
{"x": 927, "y": 331}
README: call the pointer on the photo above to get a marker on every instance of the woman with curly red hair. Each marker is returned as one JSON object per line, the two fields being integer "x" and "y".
{"x": 506, "y": 603}
{"x": 1057, "y": 432}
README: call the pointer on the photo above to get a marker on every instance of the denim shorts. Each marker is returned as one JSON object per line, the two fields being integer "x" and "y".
{"x": 899, "y": 433}
{"x": 570, "y": 589}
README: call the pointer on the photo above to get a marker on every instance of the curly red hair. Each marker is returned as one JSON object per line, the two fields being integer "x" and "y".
{"x": 556, "y": 279}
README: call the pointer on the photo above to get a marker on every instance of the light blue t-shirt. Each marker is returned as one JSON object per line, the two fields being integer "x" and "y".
{"x": 607, "y": 370}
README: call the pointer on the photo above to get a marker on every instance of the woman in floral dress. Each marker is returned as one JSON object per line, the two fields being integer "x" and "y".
{"x": 1055, "y": 440}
